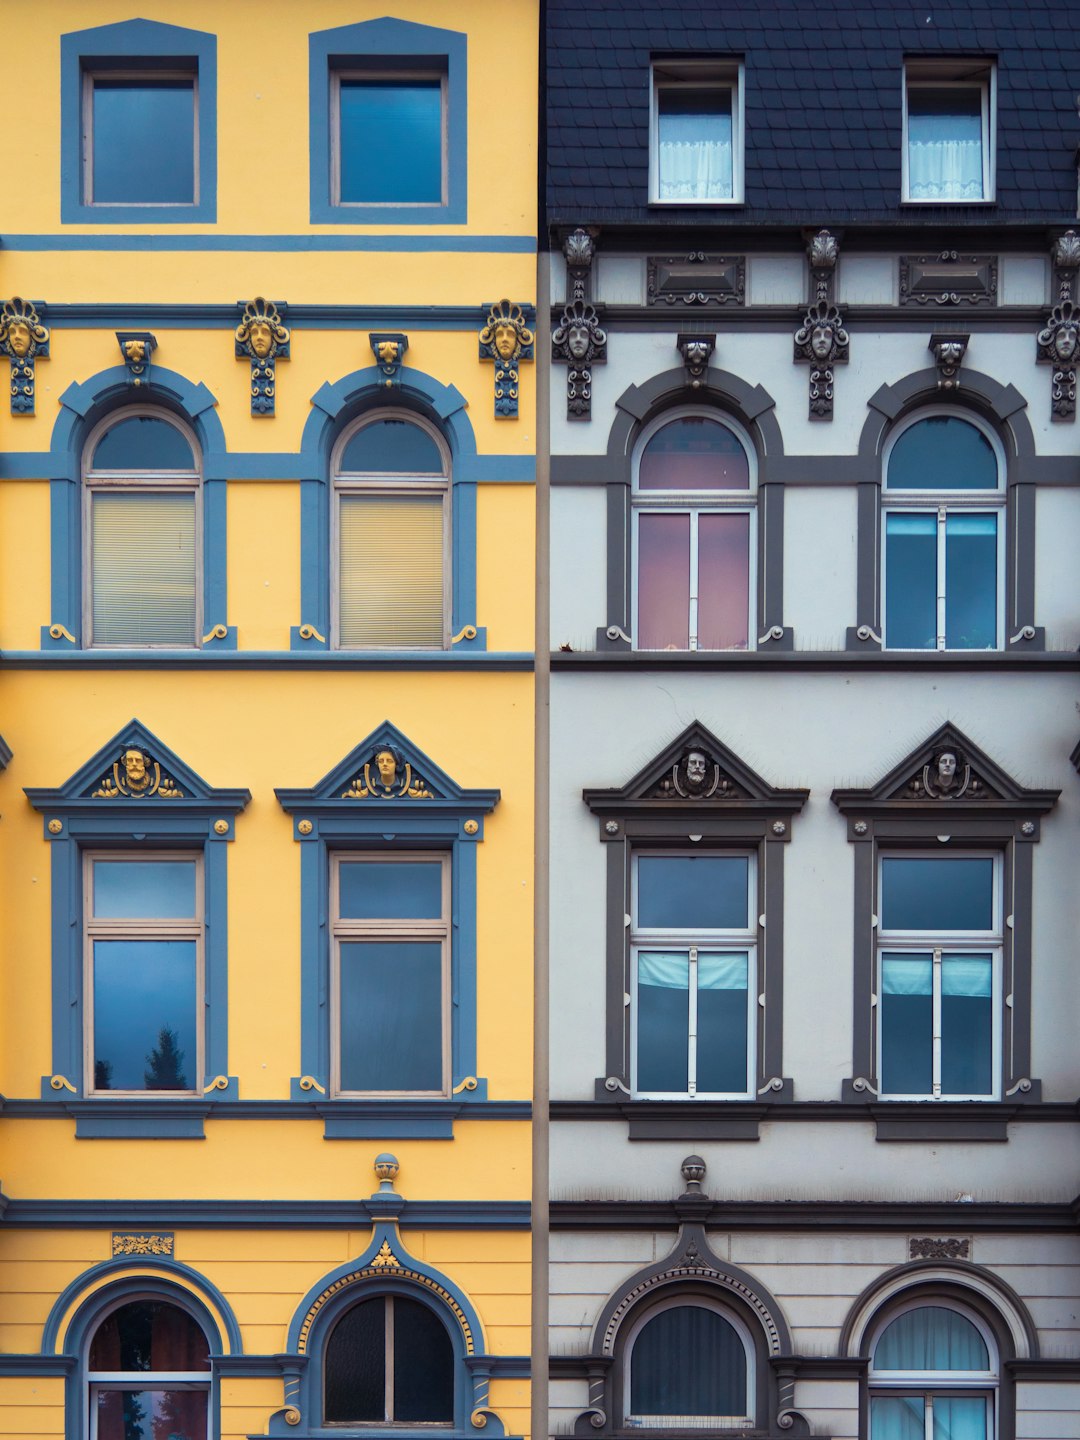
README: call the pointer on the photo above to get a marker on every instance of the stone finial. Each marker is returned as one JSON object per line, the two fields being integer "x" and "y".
{"x": 386, "y": 1169}
{"x": 693, "y": 1172}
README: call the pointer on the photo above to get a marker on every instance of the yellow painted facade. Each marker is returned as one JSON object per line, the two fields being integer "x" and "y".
{"x": 264, "y": 1208}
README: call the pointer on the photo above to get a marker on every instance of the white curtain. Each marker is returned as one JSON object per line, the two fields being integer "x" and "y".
{"x": 945, "y": 157}
{"x": 695, "y": 157}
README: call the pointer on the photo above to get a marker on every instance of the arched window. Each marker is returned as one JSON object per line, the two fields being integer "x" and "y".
{"x": 943, "y": 541}
{"x": 148, "y": 1373}
{"x": 391, "y": 535}
{"x": 689, "y": 1363}
{"x": 143, "y": 529}
{"x": 388, "y": 1360}
{"x": 933, "y": 1375}
{"x": 693, "y": 535}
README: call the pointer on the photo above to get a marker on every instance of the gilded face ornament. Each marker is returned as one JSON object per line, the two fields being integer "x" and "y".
{"x": 506, "y": 341}
{"x": 386, "y": 762}
{"x": 262, "y": 339}
{"x": 135, "y": 769}
{"x": 19, "y": 338}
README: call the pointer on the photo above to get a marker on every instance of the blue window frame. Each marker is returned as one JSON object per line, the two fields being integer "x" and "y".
{"x": 138, "y": 104}
{"x": 388, "y": 124}
{"x": 121, "y": 908}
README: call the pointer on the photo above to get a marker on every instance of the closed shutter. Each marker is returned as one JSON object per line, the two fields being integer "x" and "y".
{"x": 390, "y": 572}
{"x": 142, "y": 557}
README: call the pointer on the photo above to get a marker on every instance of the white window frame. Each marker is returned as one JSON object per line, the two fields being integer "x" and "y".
{"x": 696, "y": 503}
{"x": 157, "y": 482}
{"x": 388, "y": 486}
{"x": 725, "y": 76}
{"x": 98, "y": 1381}
{"x": 935, "y": 943}
{"x": 345, "y": 930}
{"x": 944, "y": 1383}
{"x": 130, "y": 928}
{"x": 958, "y": 75}
{"x": 692, "y": 941}
{"x": 688, "y": 1422}
{"x": 403, "y": 75}
{"x": 90, "y": 77}
{"x": 942, "y": 503}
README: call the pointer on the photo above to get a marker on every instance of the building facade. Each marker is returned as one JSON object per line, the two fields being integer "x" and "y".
{"x": 266, "y": 614}
{"x": 814, "y": 502}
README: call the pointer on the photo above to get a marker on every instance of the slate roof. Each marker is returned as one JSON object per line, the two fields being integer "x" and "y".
{"x": 823, "y": 105}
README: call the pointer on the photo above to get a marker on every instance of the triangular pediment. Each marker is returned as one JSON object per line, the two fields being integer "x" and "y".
{"x": 696, "y": 769}
{"x": 136, "y": 768}
{"x": 947, "y": 770}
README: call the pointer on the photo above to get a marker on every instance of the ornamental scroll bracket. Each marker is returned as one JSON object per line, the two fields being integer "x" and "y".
{"x": 507, "y": 342}
{"x": 696, "y": 351}
{"x": 579, "y": 342}
{"x": 948, "y": 352}
{"x": 136, "y": 348}
{"x": 23, "y": 339}
{"x": 389, "y": 348}
{"x": 1058, "y": 342}
{"x": 262, "y": 338}
{"x": 821, "y": 341}
{"x": 579, "y": 249}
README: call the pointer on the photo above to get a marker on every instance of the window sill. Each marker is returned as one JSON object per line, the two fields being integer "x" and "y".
{"x": 778, "y": 659}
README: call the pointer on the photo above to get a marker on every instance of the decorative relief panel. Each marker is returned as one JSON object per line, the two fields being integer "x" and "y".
{"x": 821, "y": 341}
{"x": 932, "y": 1249}
{"x": 387, "y": 776}
{"x": 579, "y": 342}
{"x": 948, "y": 278}
{"x": 136, "y": 348}
{"x": 136, "y": 775}
{"x": 1059, "y": 340}
{"x": 143, "y": 1242}
{"x": 262, "y": 338}
{"x": 23, "y": 339}
{"x": 506, "y": 341}
{"x": 696, "y": 279}
{"x": 389, "y": 349}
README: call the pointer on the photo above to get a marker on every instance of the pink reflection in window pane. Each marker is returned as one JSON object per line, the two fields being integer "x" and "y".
{"x": 694, "y": 453}
{"x": 723, "y": 582}
{"x": 663, "y": 621}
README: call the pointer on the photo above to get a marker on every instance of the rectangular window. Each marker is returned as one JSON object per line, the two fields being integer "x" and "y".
{"x": 696, "y": 125}
{"x": 693, "y": 974}
{"x": 943, "y": 579}
{"x": 949, "y": 124}
{"x": 140, "y": 139}
{"x": 389, "y": 137}
{"x": 391, "y": 571}
{"x": 693, "y": 580}
{"x": 390, "y": 974}
{"x": 939, "y": 967}
{"x": 143, "y": 921}
{"x": 143, "y": 567}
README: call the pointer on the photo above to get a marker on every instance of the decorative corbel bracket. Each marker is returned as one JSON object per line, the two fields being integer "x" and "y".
{"x": 579, "y": 248}
{"x": 696, "y": 351}
{"x": 579, "y": 342}
{"x": 262, "y": 338}
{"x": 136, "y": 347}
{"x": 23, "y": 338}
{"x": 948, "y": 351}
{"x": 389, "y": 348}
{"x": 1059, "y": 340}
{"x": 506, "y": 341}
{"x": 821, "y": 341}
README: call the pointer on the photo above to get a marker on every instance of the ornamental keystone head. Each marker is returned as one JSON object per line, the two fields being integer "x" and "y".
{"x": 696, "y": 351}
{"x": 579, "y": 338}
{"x": 261, "y": 335}
{"x": 22, "y": 334}
{"x": 506, "y": 334}
{"x": 1059, "y": 340}
{"x": 821, "y": 339}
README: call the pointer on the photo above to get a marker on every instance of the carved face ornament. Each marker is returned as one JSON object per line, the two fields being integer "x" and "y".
{"x": 262, "y": 338}
{"x": 821, "y": 341}
{"x": 1060, "y": 340}
{"x": 577, "y": 342}
{"x": 135, "y": 770}
{"x": 387, "y": 765}
{"x": 19, "y": 338}
{"x": 696, "y": 770}
{"x": 506, "y": 340}
{"x": 946, "y": 769}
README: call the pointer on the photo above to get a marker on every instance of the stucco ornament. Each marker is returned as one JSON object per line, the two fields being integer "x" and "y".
{"x": 1066, "y": 252}
{"x": 136, "y": 349}
{"x": 262, "y": 338}
{"x": 696, "y": 351}
{"x": 695, "y": 776}
{"x": 821, "y": 340}
{"x": 387, "y": 776}
{"x": 506, "y": 341}
{"x": 946, "y": 776}
{"x": 389, "y": 351}
{"x": 948, "y": 352}
{"x": 23, "y": 338}
{"x": 1058, "y": 342}
{"x": 824, "y": 251}
{"x": 135, "y": 775}
{"x": 579, "y": 342}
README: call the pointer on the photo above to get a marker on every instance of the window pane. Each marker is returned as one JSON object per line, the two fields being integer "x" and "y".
{"x": 971, "y": 583}
{"x": 911, "y": 582}
{"x": 897, "y": 1417}
{"x": 723, "y": 582}
{"x": 392, "y": 447}
{"x": 144, "y": 142}
{"x": 931, "y": 1338}
{"x": 355, "y": 1366}
{"x": 383, "y": 890}
{"x": 143, "y": 565}
{"x": 960, "y": 1417}
{"x": 144, "y": 889}
{"x": 392, "y": 1015}
{"x": 967, "y": 1013}
{"x": 149, "y": 1335}
{"x": 391, "y": 142}
{"x": 151, "y": 1414}
{"x": 942, "y": 452}
{"x": 694, "y": 453}
{"x": 937, "y": 895}
{"x": 945, "y": 145}
{"x": 663, "y": 621}
{"x": 688, "y": 1361}
{"x": 391, "y": 570}
{"x": 663, "y": 1022}
{"x": 692, "y": 892}
{"x": 144, "y": 1015}
{"x": 907, "y": 1024}
{"x": 723, "y": 1024}
{"x": 694, "y": 144}
{"x": 143, "y": 442}
{"x": 423, "y": 1364}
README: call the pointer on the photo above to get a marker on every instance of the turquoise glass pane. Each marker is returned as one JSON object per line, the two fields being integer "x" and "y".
{"x": 911, "y": 582}
{"x": 961, "y": 1417}
{"x": 383, "y": 890}
{"x": 937, "y": 895}
{"x": 663, "y": 1022}
{"x": 144, "y": 141}
{"x": 143, "y": 442}
{"x": 693, "y": 892}
{"x": 971, "y": 582}
{"x": 144, "y": 889}
{"x": 391, "y": 142}
{"x": 907, "y": 1025}
{"x": 392, "y": 447}
{"x": 942, "y": 452}
{"x": 145, "y": 1008}
{"x": 897, "y": 1417}
{"x": 723, "y": 1024}
{"x": 967, "y": 1019}
{"x": 391, "y": 1005}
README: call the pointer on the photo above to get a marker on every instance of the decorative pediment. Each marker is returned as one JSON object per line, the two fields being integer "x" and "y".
{"x": 947, "y": 772}
{"x": 696, "y": 771}
{"x": 136, "y": 769}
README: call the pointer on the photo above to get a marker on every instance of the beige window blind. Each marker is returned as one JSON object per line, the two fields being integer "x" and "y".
{"x": 390, "y": 571}
{"x": 143, "y": 568}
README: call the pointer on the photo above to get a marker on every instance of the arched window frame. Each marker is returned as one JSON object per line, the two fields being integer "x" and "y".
{"x": 389, "y": 485}
{"x": 389, "y": 1293}
{"x": 678, "y": 1300}
{"x": 695, "y": 503}
{"x": 148, "y": 481}
{"x": 933, "y": 1383}
{"x": 947, "y": 502}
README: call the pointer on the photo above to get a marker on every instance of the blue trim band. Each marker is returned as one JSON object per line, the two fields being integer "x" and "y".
{"x": 156, "y": 316}
{"x": 263, "y": 1215}
{"x": 387, "y": 244}
{"x": 284, "y": 465}
{"x": 131, "y": 41}
{"x": 308, "y": 658}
